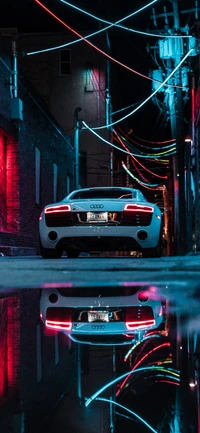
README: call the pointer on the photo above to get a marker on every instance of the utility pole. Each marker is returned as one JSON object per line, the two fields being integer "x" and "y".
{"x": 180, "y": 246}
{"x": 76, "y": 147}
{"x": 171, "y": 51}
{"x": 109, "y": 105}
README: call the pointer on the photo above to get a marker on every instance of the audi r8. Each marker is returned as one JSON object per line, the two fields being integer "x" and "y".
{"x": 111, "y": 313}
{"x": 101, "y": 219}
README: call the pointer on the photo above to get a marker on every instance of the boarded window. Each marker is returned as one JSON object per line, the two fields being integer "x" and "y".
{"x": 37, "y": 175}
{"x": 55, "y": 182}
{"x": 64, "y": 62}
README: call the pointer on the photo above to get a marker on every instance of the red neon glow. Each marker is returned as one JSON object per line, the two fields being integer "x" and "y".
{"x": 139, "y": 362}
{"x": 140, "y": 208}
{"x": 168, "y": 381}
{"x": 99, "y": 50}
{"x": 143, "y": 296}
{"x": 140, "y": 324}
{"x": 138, "y": 162}
{"x": 53, "y": 324}
{"x": 58, "y": 208}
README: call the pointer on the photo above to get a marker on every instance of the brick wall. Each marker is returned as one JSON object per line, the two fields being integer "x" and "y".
{"x": 40, "y": 129}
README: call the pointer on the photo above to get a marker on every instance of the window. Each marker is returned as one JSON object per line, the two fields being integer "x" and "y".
{"x": 64, "y": 62}
{"x": 55, "y": 181}
{"x": 68, "y": 185}
{"x": 37, "y": 174}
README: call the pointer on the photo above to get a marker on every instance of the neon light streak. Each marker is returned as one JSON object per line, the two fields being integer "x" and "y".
{"x": 92, "y": 34}
{"x": 139, "y": 362}
{"x": 138, "y": 343}
{"x": 113, "y": 145}
{"x": 149, "y": 171}
{"x": 99, "y": 50}
{"x": 168, "y": 381}
{"x": 134, "y": 160}
{"x": 146, "y": 141}
{"x": 93, "y": 397}
{"x": 128, "y": 410}
{"x": 127, "y": 139}
{"x": 122, "y": 27}
{"x": 137, "y": 180}
{"x": 149, "y": 97}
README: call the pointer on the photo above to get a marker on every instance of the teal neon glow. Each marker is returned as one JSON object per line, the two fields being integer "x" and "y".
{"x": 139, "y": 342}
{"x": 91, "y": 34}
{"x": 76, "y": 340}
{"x": 146, "y": 147}
{"x": 118, "y": 379}
{"x": 118, "y": 148}
{"x": 123, "y": 27}
{"x": 128, "y": 410}
{"x": 149, "y": 97}
{"x": 140, "y": 181}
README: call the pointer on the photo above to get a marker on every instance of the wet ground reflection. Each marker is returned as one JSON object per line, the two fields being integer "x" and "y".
{"x": 99, "y": 357}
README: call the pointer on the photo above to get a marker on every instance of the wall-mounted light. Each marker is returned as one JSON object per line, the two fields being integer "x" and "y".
{"x": 89, "y": 83}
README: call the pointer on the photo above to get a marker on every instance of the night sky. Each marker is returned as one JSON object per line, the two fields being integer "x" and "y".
{"x": 127, "y": 47}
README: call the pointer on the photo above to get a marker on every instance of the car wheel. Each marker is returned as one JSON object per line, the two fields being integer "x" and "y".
{"x": 72, "y": 254}
{"x": 153, "y": 252}
{"x": 49, "y": 253}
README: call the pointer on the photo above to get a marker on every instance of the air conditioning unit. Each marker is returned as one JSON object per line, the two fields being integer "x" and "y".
{"x": 16, "y": 109}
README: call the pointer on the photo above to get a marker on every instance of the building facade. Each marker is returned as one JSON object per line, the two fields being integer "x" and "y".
{"x": 69, "y": 79}
{"x": 36, "y": 159}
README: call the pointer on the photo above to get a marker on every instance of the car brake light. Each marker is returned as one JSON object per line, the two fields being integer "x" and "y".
{"x": 138, "y": 208}
{"x": 143, "y": 296}
{"x": 140, "y": 324}
{"x": 53, "y": 324}
{"x": 58, "y": 208}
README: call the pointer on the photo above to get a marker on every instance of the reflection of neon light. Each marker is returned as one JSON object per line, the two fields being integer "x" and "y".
{"x": 139, "y": 342}
{"x": 89, "y": 400}
{"x": 53, "y": 324}
{"x": 139, "y": 362}
{"x": 128, "y": 410}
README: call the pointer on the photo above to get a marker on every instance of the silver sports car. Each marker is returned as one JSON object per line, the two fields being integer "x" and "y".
{"x": 100, "y": 314}
{"x": 101, "y": 219}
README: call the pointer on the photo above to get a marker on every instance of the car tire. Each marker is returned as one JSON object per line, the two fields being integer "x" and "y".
{"x": 49, "y": 253}
{"x": 153, "y": 252}
{"x": 72, "y": 254}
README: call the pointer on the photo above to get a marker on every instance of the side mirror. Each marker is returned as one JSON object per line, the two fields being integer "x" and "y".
{"x": 162, "y": 209}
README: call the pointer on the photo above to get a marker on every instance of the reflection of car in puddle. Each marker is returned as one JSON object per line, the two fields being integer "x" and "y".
{"x": 106, "y": 314}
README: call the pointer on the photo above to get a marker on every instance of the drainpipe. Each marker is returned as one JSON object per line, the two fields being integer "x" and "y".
{"x": 15, "y": 73}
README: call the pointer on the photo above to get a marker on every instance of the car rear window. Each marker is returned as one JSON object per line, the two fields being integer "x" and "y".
{"x": 104, "y": 193}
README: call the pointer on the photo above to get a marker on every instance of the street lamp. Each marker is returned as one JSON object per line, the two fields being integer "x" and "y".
{"x": 76, "y": 146}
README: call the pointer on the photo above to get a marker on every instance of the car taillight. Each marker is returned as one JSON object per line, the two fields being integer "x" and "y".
{"x": 143, "y": 296}
{"x": 58, "y": 325}
{"x": 138, "y": 208}
{"x": 41, "y": 216}
{"x": 140, "y": 324}
{"x": 58, "y": 208}
{"x": 139, "y": 317}
{"x": 59, "y": 318}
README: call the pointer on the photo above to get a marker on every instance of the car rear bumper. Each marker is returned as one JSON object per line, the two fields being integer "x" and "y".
{"x": 101, "y": 238}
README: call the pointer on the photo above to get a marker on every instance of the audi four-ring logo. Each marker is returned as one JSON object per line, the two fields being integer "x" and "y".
{"x": 96, "y": 327}
{"x": 96, "y": 206}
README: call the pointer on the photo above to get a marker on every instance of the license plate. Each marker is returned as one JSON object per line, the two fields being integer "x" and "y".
{"x": 96, "y": 217}
{"x": 98, "y": 316}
